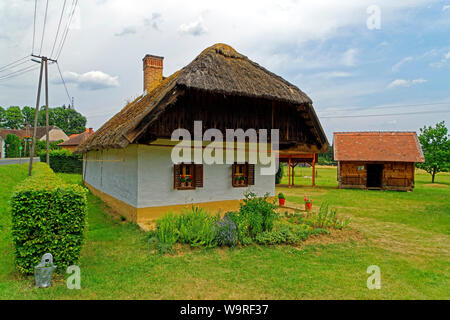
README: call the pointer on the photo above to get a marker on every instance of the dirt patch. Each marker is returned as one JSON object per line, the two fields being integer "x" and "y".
{"x": 437, "y": 185}
{"x": 335, "y": 236}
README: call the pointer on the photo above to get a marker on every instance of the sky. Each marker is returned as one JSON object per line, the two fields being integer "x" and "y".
{"x": 387, "y": 62}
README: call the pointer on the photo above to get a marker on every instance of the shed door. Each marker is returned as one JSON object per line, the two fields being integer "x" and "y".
{"x": 374, "y": 175}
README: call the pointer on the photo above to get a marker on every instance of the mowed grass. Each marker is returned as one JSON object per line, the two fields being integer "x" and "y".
{"x": 405, "y": 234}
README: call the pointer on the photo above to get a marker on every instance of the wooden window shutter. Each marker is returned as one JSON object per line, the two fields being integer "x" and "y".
{"x": 233, "y": 171}
{"x": 198, "y": 175}
{"x": 176, "y": 176}
{"x": 251, "y": 174}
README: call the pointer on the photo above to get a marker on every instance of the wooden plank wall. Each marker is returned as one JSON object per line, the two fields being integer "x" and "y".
{"x": 396, "y": 175}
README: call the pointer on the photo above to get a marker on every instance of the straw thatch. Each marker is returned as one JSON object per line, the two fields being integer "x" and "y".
{"x": 218, "y": 69}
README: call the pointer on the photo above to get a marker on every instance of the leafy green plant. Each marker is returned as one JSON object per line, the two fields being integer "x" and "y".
{"x": 47, "y": 216}
{"x": 281, "y": 196}
{"x": 327, "y": 218}
{"x": 226, "y": 232}
{"x": 167, "y": 232}
{"x": 259, "y": 213}
{"x": 197, "y": 227}
{"x": 64, "y": 161}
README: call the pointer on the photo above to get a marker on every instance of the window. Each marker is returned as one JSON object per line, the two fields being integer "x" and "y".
{"x": 187, "y": 176}
{"x": 243, "y": 175}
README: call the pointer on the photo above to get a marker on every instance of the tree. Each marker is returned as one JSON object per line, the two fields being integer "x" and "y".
{"x": 12, "y": 145}
{"x": 14, "y": 118}
{"x": 2, "y": 117}
{"x": 68, "y": 120}
{"x": 436, "y": 149}
{"x": 28, "y": 116}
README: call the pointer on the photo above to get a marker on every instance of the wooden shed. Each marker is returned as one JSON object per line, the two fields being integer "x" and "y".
{"x": 377, "y": 160}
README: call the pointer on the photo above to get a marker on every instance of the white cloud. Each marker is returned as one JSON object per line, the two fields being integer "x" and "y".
{"x": 446, "y": 7}
{"x": 406, "y": 83}
{"x": 195, "y": 28}
{"x": 396, "y": 67}
{"x": 92, "y": 80}
{"x": 349, "y": 57}
{"x": 154, "y": 21}
{"x": 125, "y": 31}
{"x": 447, "y": 56}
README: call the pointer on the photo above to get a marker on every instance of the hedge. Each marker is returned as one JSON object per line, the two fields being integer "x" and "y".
{"x": 64, "y": 161}
{"x": 48, "y": 215}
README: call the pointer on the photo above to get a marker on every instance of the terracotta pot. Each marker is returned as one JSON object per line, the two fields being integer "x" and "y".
{"x": 182, "y": 184}
{"x": 281, "y": 202}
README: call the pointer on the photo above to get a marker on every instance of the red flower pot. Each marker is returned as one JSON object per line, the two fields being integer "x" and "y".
{"x": 281, "y": 202}
{"x": 308, "y": 206}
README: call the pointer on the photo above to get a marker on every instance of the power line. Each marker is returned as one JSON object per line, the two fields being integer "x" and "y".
{"x": 15, "y": 63}
{"x": 63, "y": 40}
{"x": 388, "y": 106}
{"x": 34, "y": 26}
{"x": 384, "y": 115}
{"x": 64, "y": 83}
{"x": 57, "y": 30}
{"x": 43, "y": 30}
{"x": 18, "y": 73}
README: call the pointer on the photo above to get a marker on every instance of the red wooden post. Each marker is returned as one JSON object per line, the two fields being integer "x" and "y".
{"x": 314, "y": 170}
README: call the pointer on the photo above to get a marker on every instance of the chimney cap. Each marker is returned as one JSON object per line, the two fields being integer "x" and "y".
{"x": 152, "y": 56}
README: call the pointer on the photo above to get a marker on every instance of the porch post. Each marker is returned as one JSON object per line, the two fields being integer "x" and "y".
{"x": 314, "y": 170}
{"x": 289, "y": 164}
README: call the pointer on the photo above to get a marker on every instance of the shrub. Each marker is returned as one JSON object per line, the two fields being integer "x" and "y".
{"x": 167, "y": 232}
{"x": 279, "y": 174}
{"x": 12, "y": 145}
{"x": 327, "y": 218}
{"x": 197, "y": 228}
{"x": 281, "y": 196}
{"x": 47, "y": 216}
{"x": 64, "y": 161}
{"x": 226, "y": 232}
{"x": 258, "y": 213}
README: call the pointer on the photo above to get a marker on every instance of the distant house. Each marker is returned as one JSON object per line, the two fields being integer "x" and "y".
{"x": 128, "y": 162}
{"x": 377, "y": 160}
{"x": 55, "y": 134}
{"x": 76, "y": 139}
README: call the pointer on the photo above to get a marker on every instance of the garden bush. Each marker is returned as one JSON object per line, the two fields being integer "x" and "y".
{"x": 197, "y": 228}
{"x": 226, "y": 232}
{"x": 47, "y": 216}
{"x": 64, "y": 161}
{"x": 12, "y": 145}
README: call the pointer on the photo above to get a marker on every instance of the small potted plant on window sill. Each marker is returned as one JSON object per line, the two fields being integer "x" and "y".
{"x": 236, "y": 180}
{"x": 242, "y": 180}
{"x": 182, "y": 182}
{"x": 281, "y": 199}
{"x": 188, "y": 182}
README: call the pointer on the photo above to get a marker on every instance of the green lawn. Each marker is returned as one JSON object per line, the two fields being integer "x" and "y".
{"x": 405, "y": 233}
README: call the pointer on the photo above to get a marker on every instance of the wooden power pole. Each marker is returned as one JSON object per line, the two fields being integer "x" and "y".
{"x": 44, "y": 63}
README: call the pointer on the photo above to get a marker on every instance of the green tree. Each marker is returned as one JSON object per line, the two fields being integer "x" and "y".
{"x": 436, "y": 149}
{"x": 14, "y": 118}
{"x": 28, "y": 116}
{"x": 2, "y": 117}
{"x": 12, "y": 145}
{"x": 69, "y": 120}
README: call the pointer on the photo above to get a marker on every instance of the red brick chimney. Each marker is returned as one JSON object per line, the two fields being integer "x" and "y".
{"x": 153, "y": 72}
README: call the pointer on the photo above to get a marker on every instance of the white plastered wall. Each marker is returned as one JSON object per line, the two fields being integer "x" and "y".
{"x": 155, "y": 179}
{"x": 114, "y": 172}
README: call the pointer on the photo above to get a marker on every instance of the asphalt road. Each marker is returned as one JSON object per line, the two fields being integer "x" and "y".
{"x": 4, "y": 161}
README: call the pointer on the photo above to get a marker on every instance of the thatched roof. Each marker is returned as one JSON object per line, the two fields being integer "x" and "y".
{"x": 218, "y": 69}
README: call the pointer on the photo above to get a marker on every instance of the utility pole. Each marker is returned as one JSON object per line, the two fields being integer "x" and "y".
{"x": 47, "y": 141}
{"x": 43, "y": 61}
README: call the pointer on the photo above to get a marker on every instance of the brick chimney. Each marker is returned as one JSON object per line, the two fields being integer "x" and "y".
{"x": 153, "y": 72}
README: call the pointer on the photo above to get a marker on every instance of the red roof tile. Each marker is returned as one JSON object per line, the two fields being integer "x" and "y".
{"x": 77, "y": 139}
{"x": 377, "y": 146}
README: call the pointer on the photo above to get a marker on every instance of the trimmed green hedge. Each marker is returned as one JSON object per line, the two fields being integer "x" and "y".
{"x": 64, "y": 161}
{"x": 48, "y": 215}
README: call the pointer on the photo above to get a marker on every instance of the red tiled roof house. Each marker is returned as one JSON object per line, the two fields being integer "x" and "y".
{"x": 377, "y": 160}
